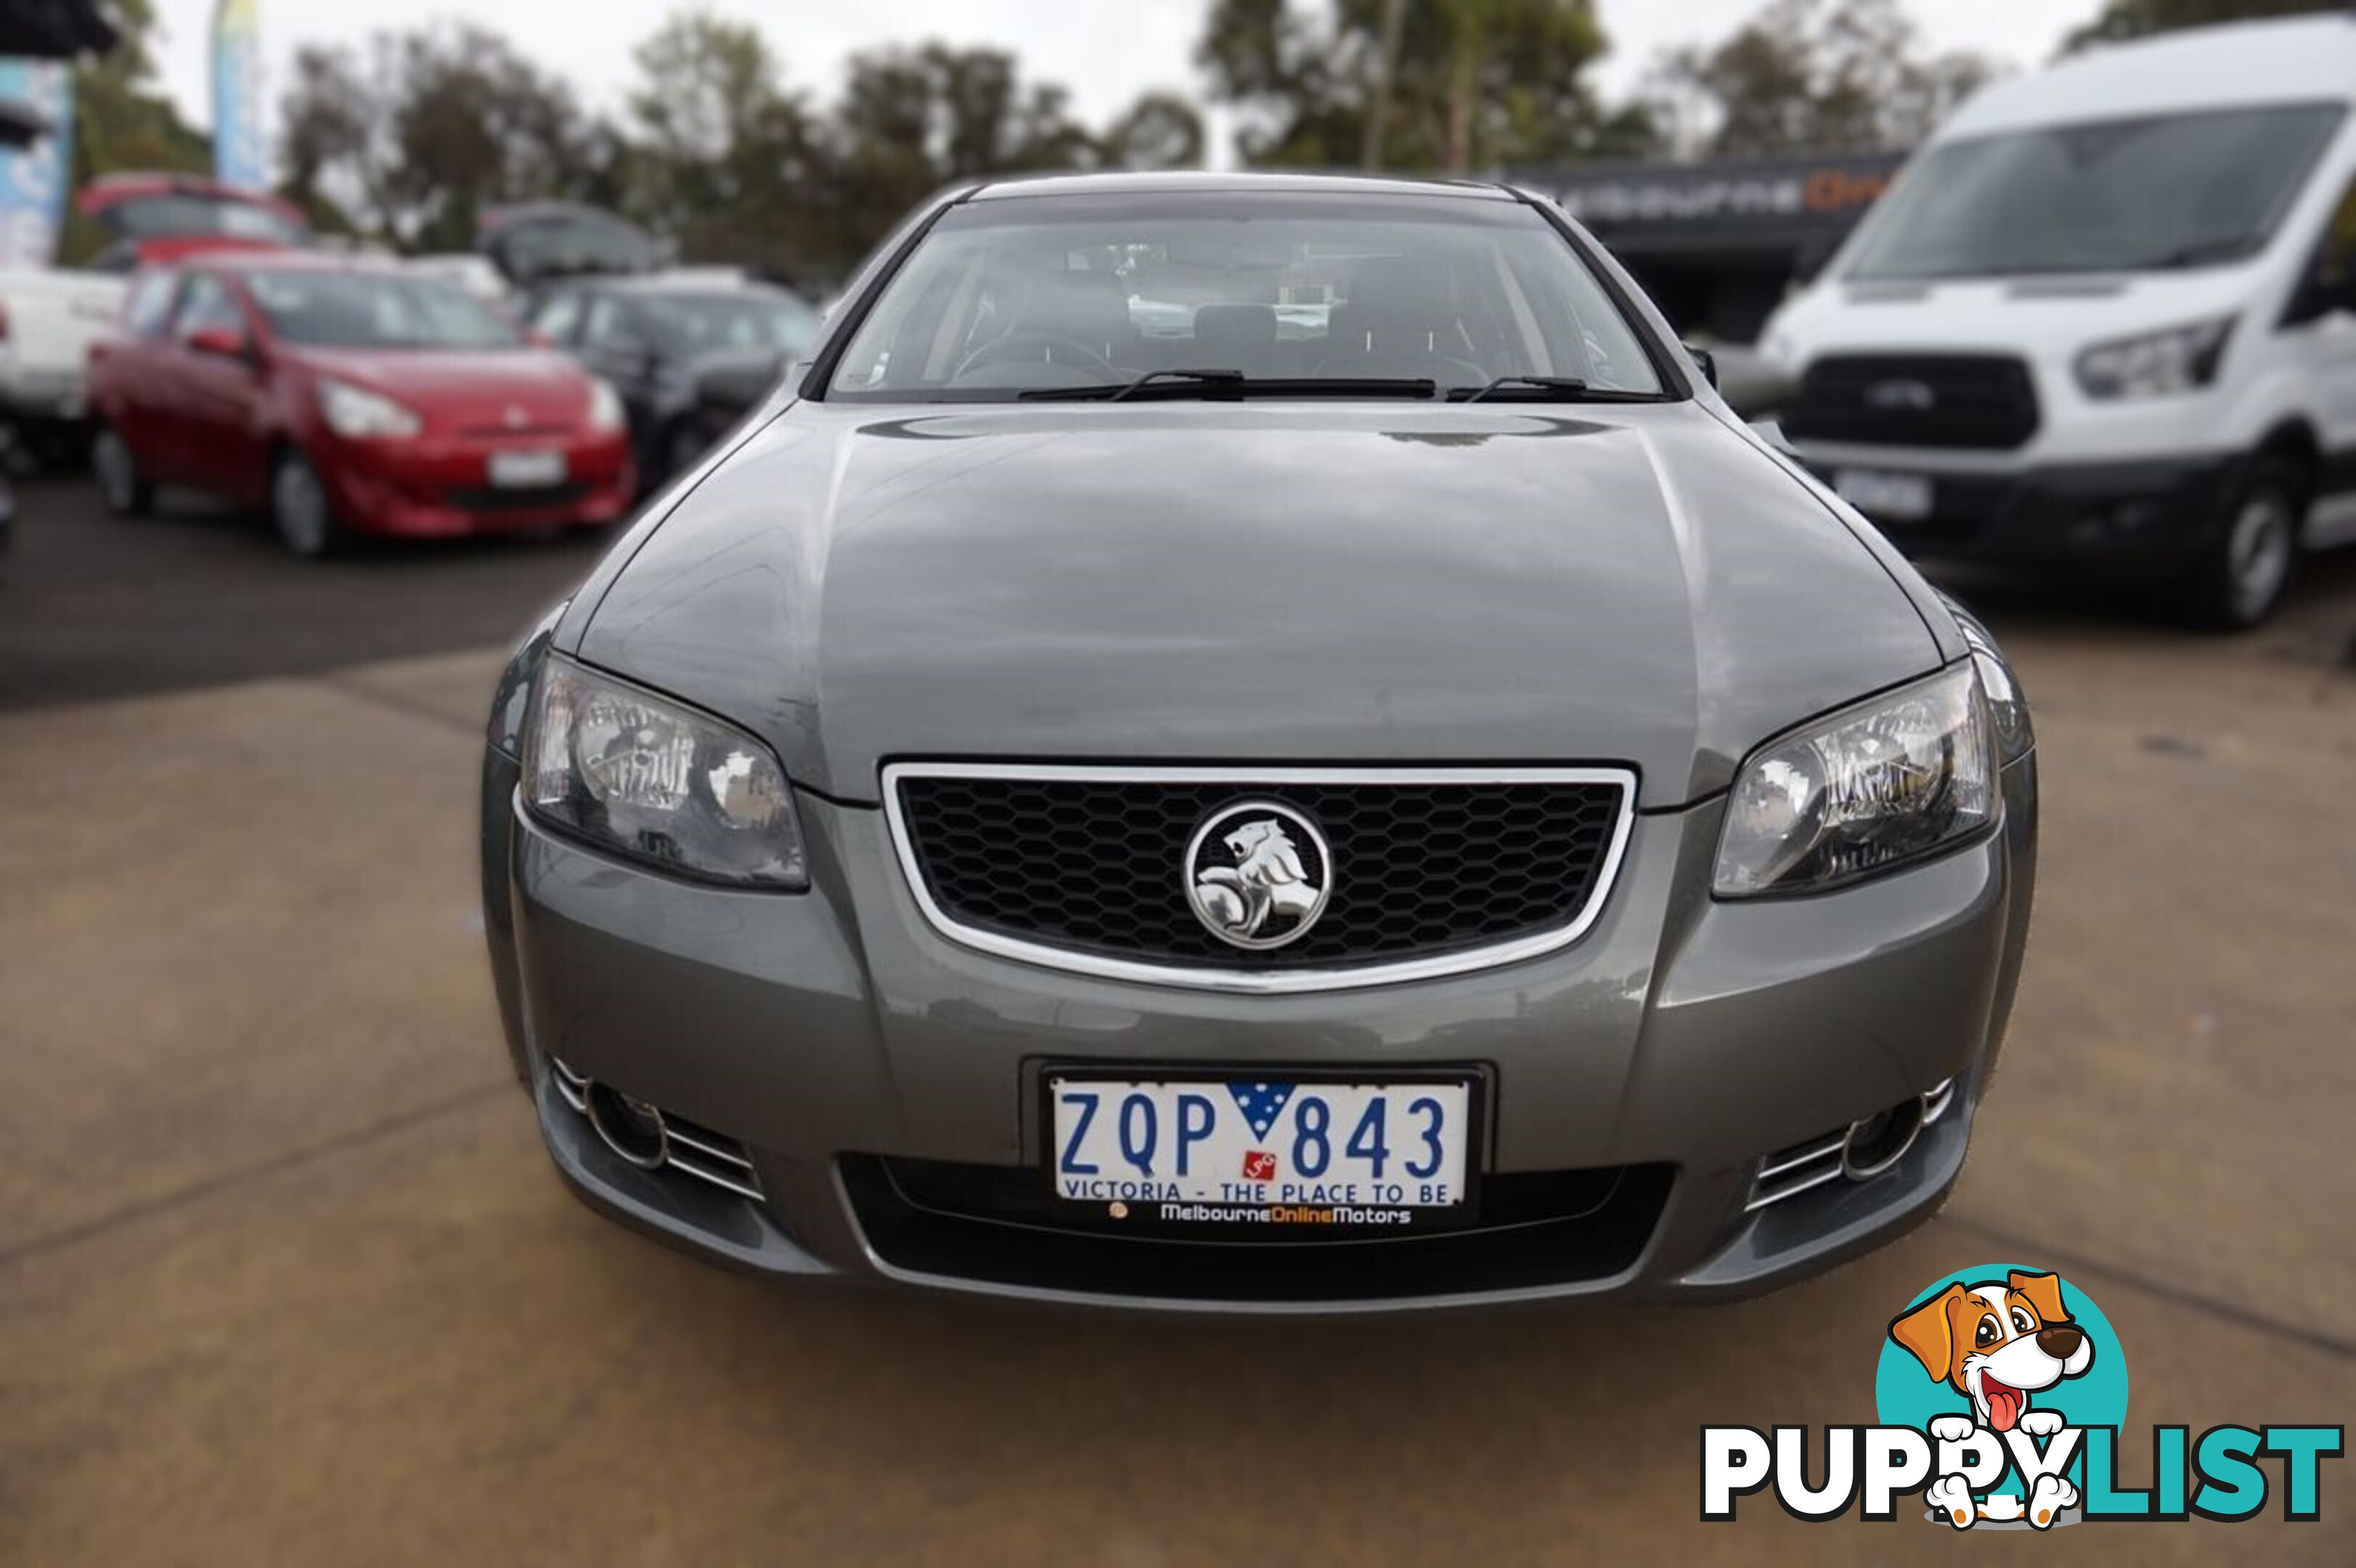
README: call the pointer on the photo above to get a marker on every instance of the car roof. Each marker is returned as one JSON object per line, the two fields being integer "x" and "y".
{"x": 1235, "y": 180}
{"x": 643, "y": 284}
{"x": 104, "y": 191}
{"x": 282, "y": 260}
{"x": 2242, "y": 65}
{"x": 516, "y": 214}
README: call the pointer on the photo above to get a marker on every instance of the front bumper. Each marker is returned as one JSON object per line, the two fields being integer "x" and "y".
{"x": 2150, "y": 515}
{"x": 840, "y": 1039}
{"x": 441, "y": 488}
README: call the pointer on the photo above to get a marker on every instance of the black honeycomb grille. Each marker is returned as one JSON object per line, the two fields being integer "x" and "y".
{"x": 1417, "y": 870}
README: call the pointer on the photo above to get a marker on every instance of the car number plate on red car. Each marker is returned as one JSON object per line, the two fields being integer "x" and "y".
{"x": 1264, "y": 1151}
{"x": 527, "y": 470}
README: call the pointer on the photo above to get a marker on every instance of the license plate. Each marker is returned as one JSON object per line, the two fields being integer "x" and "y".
{"x": 527, "y": 470}
{"x": 1257, "y": 1152}
{"x": 1900, "y": 497}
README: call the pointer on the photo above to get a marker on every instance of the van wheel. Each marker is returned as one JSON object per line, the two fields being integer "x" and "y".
{"x": 2240, "y": 578}
{"x": 120, "y": 483}
{"x": 299, "y": 505}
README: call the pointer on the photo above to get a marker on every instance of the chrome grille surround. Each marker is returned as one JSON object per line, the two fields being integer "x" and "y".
{"x": 1146, "y": 970}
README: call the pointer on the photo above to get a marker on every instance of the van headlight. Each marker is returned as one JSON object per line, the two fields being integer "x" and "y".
{"x": 651, "y": 779}
{"x": 2155, "y": 364}
{"x": 1897, "y": 777}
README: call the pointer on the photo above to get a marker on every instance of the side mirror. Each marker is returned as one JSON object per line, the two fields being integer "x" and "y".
{"x": 1704, "y": 361}
{"x": 2329, "y": 288}
{"x": 226, "y": 342}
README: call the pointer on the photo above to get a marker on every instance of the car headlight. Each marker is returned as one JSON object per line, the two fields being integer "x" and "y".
{"x": 2016, "y": 737}
{"x": 2156, "y": 363}
{"x": 606, "y": 411}
{"x": 1895, "y": 778}
{"x": 657, "y": 781}
{"x": 352, "y": 410}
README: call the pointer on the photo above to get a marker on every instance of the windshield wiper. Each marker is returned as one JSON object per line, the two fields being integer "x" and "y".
{"x": 1236, "y": 384}
{"x": 1549, "y": 389}
{"x": 1114, "y": 392}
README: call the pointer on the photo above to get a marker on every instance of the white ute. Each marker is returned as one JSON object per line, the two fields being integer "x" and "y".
{"x": 48, "y": 318}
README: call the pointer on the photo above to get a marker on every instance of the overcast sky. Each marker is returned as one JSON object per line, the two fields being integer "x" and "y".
{"x": 1105, "y": 51}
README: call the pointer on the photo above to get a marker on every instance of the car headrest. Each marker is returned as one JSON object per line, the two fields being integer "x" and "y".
{"x": 1236, "y": 327}
{"x": 1392, "y": 304}
{"x": 1090, "y": 306}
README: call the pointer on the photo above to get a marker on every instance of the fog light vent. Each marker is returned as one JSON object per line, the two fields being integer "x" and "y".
{"x": 1860, "y": 1151}
{"x": 654, "y": 1140}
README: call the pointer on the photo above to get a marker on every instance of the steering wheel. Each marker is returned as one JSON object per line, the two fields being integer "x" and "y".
{"x": 1029, "y": 344}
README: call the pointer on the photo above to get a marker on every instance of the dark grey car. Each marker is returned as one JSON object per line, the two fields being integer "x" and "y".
{"x": 1257, "y": 742}
{"x": 668, "y": 342}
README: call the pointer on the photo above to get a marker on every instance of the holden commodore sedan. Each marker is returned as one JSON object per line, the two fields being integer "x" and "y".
{"x": 1379, "y": 793}
{"x": 349, "y": 397}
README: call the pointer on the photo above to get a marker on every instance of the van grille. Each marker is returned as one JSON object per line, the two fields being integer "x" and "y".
{"x": 1959, "y": 400}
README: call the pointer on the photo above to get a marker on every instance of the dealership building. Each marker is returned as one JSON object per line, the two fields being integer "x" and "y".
{"x": 1717, "y": 244}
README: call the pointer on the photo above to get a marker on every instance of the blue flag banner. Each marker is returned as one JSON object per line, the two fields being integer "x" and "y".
{"x": 240, "y": 149}
{"x": 33, "y": 180}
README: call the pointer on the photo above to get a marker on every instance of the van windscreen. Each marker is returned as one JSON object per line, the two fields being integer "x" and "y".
{"x": 2110, "y": 196}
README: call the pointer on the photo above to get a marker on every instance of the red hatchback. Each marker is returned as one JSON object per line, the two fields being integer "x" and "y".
{"x": 349, "y": 397}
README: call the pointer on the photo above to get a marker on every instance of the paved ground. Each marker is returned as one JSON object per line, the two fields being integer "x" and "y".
{"x": 93, "y": 605}
{"x": 284, "y": 1277}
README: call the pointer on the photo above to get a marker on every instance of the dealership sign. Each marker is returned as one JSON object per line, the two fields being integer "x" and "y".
{"x": 1772, "y": 195}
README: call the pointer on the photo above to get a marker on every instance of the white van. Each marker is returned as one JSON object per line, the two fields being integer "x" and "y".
{"x": 2108, "y": 315}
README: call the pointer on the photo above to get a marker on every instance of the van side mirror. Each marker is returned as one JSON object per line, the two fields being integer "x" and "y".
{"x": 1704, "y": 361}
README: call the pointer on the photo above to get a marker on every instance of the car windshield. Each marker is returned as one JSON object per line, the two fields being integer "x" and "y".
{"x": 689, "y": 324}
{"x": 372, "y": 310}
{"x": 2176, "y": 190}
{"x": 1015, "y": 294}
{"x": 579, "y": 242}
{"x": 170, "y": 217}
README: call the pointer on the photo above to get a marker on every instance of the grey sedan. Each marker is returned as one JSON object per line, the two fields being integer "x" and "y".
{"x": 1256, "y": 743}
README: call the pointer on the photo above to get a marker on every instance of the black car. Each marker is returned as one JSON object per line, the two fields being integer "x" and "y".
{"x": 535, "y": 242}
{"x": 676, "y": 346}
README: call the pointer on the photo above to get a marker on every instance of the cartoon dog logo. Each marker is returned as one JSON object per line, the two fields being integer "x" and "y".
{"x": 1996, "y": 1344}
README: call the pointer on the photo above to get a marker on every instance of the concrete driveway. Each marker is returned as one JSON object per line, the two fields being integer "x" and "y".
{"x": 285, "y": 1278}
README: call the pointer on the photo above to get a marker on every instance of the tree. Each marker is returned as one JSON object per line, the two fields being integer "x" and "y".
{"x": 1811, "y": 76}
{"x": 121, "y": 122}
{"x": 913, "y": 120}
{"x": 725, "y": 160}
{"x": 2122, "y": 19}
{"x": 1477, "y": 84}
{"x": 421, "y": 130}
{"x": 415, "y": 133}
{"x": 1160, "y": 131}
